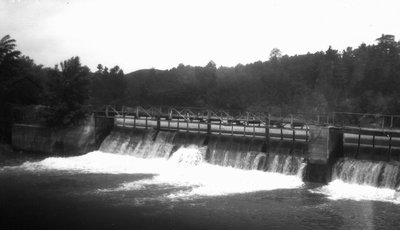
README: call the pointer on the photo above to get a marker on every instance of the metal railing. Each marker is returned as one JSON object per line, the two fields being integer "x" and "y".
{"x": 292, "y": 120}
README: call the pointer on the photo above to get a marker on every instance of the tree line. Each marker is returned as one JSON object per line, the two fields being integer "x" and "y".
{"x": 365, "y": 79}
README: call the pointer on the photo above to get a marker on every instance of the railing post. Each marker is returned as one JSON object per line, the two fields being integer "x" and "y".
{"x": 158, "y": 122}
{"x": 123, "y": 116}
{"x": 291, "y": 120}
{"x": 198, "y": 126}
{"x": 358, "y": 143}
{"x": 220, "y": 126}
{"x": 232, "y": 128}
{"x": 267, "y": 127}
{"x": 390, "y": 147}
{"x": 391, "y": 122}
{"x": 307, "y": 129}
{"x": 294, "y": 135}
{"x": 208, "y": 122}
{"x": 373, "y": 141}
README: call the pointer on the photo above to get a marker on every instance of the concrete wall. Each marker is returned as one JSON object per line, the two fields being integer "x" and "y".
{"x": 70, "y": 141}
{"x": 326, "y": 145}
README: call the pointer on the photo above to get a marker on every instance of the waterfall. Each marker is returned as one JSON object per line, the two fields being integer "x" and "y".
{"x": 190, "y": 155}
{"x": 235, "y": 152}
{"x": 122, "y": 141}
{"x": 285, "y": 164}
{"x": 362, "y": 172}
{"x": 155, "y": 146}
{"x": 139, "y": 143}
{"x": 226, "y": 151}
{"x": 363, "y": 180}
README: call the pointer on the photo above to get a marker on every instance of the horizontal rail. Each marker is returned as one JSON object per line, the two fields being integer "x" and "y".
{"x": 356, "y": 123}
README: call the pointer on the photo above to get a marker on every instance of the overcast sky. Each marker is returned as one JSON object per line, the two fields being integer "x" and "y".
{"x": 163, "y": 33}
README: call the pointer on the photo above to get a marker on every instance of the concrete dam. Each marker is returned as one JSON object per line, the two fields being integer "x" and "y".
{"x": 314, "y": 150}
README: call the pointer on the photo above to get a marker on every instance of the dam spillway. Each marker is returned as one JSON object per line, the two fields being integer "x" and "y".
{"x": 250, "y": 154}
{"x": 236, "y": 140}
{"x": 252, "y": 141}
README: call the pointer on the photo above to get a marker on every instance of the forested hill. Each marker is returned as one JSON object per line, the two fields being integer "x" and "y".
{"x": 364, "y": 79}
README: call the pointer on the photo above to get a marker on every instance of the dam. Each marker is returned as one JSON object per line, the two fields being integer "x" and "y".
{"x": 136, "y": 168}
{"x": 231, "y": 139}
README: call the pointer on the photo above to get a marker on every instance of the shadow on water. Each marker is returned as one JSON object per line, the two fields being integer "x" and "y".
{"x": 10, "y": 157}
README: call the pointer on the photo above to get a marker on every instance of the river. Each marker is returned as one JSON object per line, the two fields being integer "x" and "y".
{"x": 101, "y": 190}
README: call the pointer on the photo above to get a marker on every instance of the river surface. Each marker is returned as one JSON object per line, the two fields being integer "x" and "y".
{"x": 110, "y": 191}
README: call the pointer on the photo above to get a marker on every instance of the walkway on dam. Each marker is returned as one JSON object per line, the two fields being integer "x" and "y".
{"x": 351, "y": 122}
{"x": 376, "y": 130}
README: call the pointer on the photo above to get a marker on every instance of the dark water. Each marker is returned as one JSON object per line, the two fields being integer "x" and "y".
{"x": 102, "y": 192}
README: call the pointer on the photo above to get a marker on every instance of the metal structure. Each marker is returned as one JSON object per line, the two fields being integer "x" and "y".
{"x": 338, "y": 119}
{"x": 359, "y": 130}
{"x": 253, "y": 124}
{"x": 375, "y": 130}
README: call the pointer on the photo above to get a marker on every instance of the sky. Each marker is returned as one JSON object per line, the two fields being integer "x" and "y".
{"x": 161, "y": 34}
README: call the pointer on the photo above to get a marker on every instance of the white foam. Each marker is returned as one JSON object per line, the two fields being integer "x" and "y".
{"x": 339, "y": 190}
{"x": 184, "y": 169}
{"x": 211, "y": 180}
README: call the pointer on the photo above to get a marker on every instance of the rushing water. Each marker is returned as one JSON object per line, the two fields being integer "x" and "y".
{"x": 363, "y": 180}
{"x": 185, "y": 170}
{"x": 139, "y": 180}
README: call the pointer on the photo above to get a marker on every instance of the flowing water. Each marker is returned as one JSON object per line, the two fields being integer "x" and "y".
{"x": 147, "y": 180}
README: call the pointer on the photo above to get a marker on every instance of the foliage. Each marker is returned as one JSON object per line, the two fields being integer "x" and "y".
{"x": 66, "y": 92}
{"x": 8, "y": 68}
{"x": 365, "y": 79}
{"x": 361, "y": 79}
{"x": 108, "y": 86}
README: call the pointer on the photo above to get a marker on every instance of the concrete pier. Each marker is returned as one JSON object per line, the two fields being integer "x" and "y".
{"x": 325, "y": 146}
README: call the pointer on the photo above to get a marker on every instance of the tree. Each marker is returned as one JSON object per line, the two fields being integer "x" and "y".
{"x": 8, "y": 70}
{"x": 108, "y": 87}
{"x": 8, "y": 56}
{"x": 7, "y": 49}
{"x": 67, "y": 91}
{"x": 275, "y": 54}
